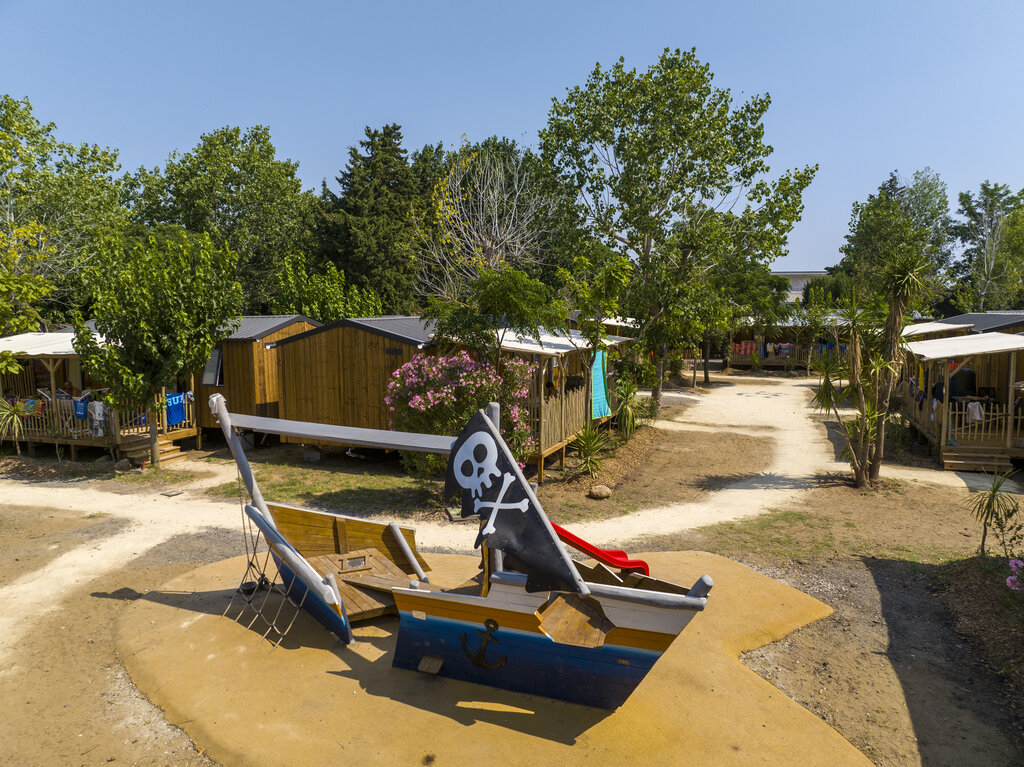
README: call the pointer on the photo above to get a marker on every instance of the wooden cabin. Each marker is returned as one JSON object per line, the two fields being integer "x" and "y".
{"x": 786, "y": 346}
{"x": 339, "y": 373}
{"x": 621, "y": 327}
{"x": 76, "y": 418}
{"x": 244, "y": 367}
{"x": 965, "y": 395}
{"x": 1000, "y": 321}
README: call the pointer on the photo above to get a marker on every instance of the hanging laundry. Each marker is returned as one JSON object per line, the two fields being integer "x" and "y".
{"x": 175, "y": 409}
{"x": 81, "y": 409}
{"x": 976, "y": 411}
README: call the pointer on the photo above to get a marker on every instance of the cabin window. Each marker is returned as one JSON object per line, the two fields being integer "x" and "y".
{"x": 213, "y": 371}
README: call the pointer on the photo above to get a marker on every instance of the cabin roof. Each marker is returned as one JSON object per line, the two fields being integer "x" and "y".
{"x": 622, "y": 322}
{"x": 57, "y": 344}
{"x": 551, "y": 344}
{"x": 966, "y": 346}
{"x": 920, "y": 328}
{"x": 986, "y": 322}
{"x": 255, "y": 327}
{"x": 411, "y": 330}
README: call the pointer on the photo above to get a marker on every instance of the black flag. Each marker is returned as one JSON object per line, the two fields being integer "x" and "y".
{"x": 483, "y": 470}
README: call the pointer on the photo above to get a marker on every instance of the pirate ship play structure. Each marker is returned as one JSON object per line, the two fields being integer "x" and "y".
{"x": 534, "y": 620}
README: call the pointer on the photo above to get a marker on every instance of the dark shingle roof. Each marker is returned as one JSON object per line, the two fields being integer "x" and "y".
{"x": 255, "y": 327}
{"x": 410, "y": 330}
{"x": 986, "y": 322}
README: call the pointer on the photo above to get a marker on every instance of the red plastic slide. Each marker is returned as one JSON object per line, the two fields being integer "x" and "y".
{"x": 619, "y": 559}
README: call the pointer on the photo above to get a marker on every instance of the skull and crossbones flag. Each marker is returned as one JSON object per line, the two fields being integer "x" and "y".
{"x": 482, "y": 469}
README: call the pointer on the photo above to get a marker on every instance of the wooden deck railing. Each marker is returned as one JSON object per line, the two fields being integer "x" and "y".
{"x": 58, "y": 423}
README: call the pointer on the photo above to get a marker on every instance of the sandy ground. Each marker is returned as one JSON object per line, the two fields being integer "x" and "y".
{"x": 102, "y": 538}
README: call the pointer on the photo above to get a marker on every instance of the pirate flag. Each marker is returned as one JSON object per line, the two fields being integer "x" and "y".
{"x": 492, "y": 486}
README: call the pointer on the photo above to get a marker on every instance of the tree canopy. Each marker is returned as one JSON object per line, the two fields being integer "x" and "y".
{"x": 673, "y": 175}
{"x": 161, "y": 305}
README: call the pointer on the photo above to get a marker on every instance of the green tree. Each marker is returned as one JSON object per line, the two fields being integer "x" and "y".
{"x": 888, "y": 255}
{"x": 233, "y": 187}
{"x": 497, "y": 302}
{"x": 991, "y": 265}
{"x": 22, "y": 287}
{"x": 56, "y": 200}
{"x": 365, "y": 229}
{"x": 161, "y": 306}
{"x": 658, "y": 159}
{"x": 324, "y": 297}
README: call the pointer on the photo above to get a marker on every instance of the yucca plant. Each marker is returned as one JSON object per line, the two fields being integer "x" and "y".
{"x": 993, "y": 507}
{"x": 588, "y": 445}
{"x": 11, "y": 423}
{"x": 628, "y": 412}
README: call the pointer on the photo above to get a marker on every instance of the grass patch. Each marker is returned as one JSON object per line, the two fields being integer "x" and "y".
{"x": 152, "y": 475}
{"x": 335, "y": 485}
{"x": 781, "y": 535}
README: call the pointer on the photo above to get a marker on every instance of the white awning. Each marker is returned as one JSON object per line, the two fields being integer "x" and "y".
{"x": 934, "y": 327}
{"x": 966, "y": 346}
{"x": 551, "y": 345}
{"x": 41, "y": 344}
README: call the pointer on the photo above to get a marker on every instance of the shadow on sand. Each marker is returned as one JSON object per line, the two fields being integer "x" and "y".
{"x": 462, "y": 702}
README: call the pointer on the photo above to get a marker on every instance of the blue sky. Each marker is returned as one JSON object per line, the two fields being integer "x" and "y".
{"x": 858, "y": 88}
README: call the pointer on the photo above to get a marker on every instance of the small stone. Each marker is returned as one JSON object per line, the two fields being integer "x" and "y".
{"x": 123, "y": 465}
{"x": 104, "y": 459}
{"x": 600, "y": 492}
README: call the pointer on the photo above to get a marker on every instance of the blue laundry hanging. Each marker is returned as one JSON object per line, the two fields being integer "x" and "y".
{"x": 599, "y": 394}
{"x": 81, "y": 409}
{"x": 175, "y": 409}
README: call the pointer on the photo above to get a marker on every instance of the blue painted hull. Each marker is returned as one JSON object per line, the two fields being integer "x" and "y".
{"x": 523, "y": 661}
{"x": 312, "y": 603}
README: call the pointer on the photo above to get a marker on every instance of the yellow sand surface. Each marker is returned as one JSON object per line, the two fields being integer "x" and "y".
{"x": 314, "y": 701}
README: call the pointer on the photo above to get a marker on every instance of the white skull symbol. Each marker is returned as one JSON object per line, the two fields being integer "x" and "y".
{"x": 473, "y": 474}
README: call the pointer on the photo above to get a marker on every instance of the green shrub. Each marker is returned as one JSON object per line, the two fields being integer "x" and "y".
{"x": 628, "y": 412}
{"x": 588, "y": 445}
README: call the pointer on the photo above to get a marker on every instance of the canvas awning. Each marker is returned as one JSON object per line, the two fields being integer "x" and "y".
{"x": 552, "y": 345}
{"x": 966, "y": 346}
{"x": 921, "y": 328}
{"x": 41, "y": 344}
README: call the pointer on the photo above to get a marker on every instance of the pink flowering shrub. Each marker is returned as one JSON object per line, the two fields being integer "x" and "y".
{"x": 1017, "y": 568}
{"x": 438, "y": 394}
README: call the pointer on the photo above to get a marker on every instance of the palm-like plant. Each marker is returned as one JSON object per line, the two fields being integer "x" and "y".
{"x": 627, "y": 414}
{"x": 11, "y": 423}
{"x": 588, "y": 445}
{"x": 993, "y": 507}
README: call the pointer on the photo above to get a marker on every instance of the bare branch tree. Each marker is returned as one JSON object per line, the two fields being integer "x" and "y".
{"x": 488, "y": 212}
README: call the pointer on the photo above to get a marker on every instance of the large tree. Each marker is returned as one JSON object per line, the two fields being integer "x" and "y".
{"x": 56, "y": 200}
{"x": 889, "y": 255}
{"x": 161, "y": 305}
{"x": 658, "y": 158}
{"x": 366, "y": 227}
{"x": 490, "y": 210}
{"x": 233, "y": 187}
{"x": 991, "y": 265}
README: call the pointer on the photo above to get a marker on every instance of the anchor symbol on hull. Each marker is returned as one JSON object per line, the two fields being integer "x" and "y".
{"x": 478, "y": 658}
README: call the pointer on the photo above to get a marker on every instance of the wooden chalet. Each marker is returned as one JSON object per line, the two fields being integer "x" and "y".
{"x": 339, "y": 373}
{"x": 244, "y": 366}
{"x": 965, "y": 395}
{"x": 786, "y": 346}
{"x": 73, "y": 416}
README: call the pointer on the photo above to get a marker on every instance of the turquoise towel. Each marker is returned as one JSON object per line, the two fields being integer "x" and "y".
{"x": 599, "y": 396}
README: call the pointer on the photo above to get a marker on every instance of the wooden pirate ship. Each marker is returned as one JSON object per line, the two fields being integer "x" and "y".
{"x": 535, "y": 621}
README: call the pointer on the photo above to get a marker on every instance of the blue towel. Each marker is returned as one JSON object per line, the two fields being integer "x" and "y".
{"x": 175, "y": 409}
{"x": 81, "y": 409}
{"x": 599, "y": 396}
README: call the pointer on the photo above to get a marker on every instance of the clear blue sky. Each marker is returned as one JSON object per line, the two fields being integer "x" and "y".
{"x": 861, "y": 88}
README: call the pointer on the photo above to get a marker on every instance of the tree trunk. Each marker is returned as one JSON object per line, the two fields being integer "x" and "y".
{"x": 154, "y": 449}
{"x": 707, "y": 358}
{"x": 659, "y": 374}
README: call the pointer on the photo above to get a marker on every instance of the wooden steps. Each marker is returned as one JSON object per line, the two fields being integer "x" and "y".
{"x": 975, "y": 458}
{"x": 137, "y": 449}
